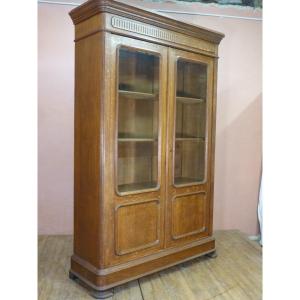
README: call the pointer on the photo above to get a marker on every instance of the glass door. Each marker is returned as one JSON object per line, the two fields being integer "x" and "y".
{"x": 138, "y": 115}
{"x": 190, "y": 122}
{"x": 190, "y": 98}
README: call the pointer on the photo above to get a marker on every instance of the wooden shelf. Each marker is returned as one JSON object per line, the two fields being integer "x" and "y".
{"x": 189, "y": 100}
{"x": 137, "y": 140}
{"x": 137, "y": 95}
{"x": 123, "y": 188}
{"x": 190, "y": 139}
{"x": 185, "y": 180}
{"x": 127, "y": 137}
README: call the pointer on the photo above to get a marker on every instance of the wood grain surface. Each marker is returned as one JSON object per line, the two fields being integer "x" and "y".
{"x": 235, "y": 274}
{"x": 130, "y": 211}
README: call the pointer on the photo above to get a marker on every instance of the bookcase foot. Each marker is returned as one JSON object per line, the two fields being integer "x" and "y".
{"x": 72, "y": 276}
{"x": 94, "y": 293}
{"x": 213, "y": 254}
{"x": 102, "y": 294}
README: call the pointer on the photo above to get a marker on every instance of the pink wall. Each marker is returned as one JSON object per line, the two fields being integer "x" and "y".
{"x": 238, "y": 146}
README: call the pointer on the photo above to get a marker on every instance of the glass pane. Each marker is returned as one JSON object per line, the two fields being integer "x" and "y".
{"x": 137, "y": 120}
{"x": 190, "y": 138}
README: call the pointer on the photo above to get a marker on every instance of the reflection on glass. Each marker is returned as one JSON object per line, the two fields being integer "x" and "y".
{"x": 190, "y": 137}
{"x": 137, "y": 120}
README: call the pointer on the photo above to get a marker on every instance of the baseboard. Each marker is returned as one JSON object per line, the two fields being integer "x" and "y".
{"x": 104, "y": 282}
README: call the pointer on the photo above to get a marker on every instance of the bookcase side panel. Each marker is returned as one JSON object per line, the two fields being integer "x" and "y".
{"x": 87, "y": 175}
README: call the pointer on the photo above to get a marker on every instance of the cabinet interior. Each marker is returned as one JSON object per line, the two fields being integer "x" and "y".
{"x": 190, "y": 122}
{"x": 138, "y": 112}
{"x": 137, "y": 120}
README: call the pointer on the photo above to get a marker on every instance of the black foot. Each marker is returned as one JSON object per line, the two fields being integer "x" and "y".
{"x": 102, "y": 294}
{"x": 212, "y": 254}
{"x": 72, "y": 276}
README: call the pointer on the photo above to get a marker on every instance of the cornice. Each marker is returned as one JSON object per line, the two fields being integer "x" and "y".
{"x": 94, "y": 7}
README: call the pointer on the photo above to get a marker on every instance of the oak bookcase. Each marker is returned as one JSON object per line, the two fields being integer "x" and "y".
{"x": 145, "y": 107}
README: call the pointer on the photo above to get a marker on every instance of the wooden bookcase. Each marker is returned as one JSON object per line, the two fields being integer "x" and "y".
{"x": 145, "y": 106}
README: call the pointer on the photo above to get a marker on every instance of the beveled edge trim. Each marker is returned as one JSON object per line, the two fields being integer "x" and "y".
{"x": 177, "y": 237}
{"x": 142, "y": 247}
{"x": 174, "y": 237}
{"x": 93, "y": 7}
{"x": 145, "y": 246}
{"x": 113, "y": 269}
{"x": 106, "y": 287}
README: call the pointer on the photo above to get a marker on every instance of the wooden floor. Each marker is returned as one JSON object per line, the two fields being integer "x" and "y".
{"x": 236, "y": 274}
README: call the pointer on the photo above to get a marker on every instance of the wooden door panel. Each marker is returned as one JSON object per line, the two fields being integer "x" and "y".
{"x": 188, "y": 215}
{"x": 137, "y": 226}
{"x": 189, "y": 144}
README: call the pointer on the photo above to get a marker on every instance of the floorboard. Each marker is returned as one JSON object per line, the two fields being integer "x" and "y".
{"x": 236, "y": 274}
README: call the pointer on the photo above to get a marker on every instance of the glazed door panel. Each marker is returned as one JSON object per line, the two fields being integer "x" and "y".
{"x": 189, "y": 143}
{"x": 137, "y": 140}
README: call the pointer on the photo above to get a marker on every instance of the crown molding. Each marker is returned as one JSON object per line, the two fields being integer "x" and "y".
{"x": 94, "y": 7}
